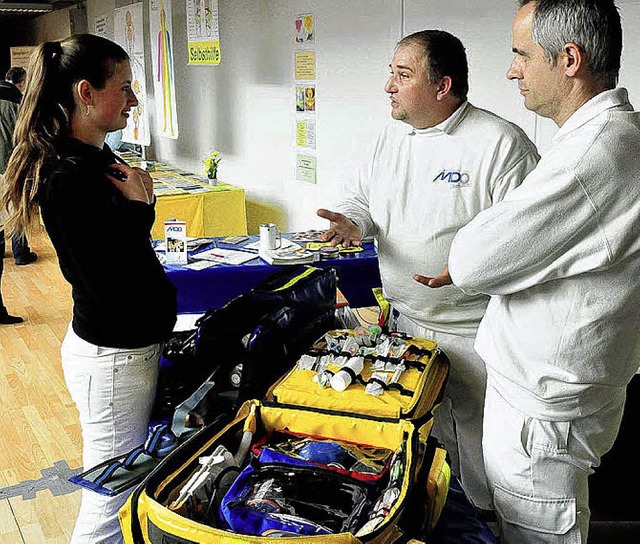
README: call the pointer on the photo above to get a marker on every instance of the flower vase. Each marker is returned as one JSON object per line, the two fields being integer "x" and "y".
{"x": 213, "y": 180}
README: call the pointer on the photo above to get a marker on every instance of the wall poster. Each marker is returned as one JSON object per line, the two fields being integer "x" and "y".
{"x": 161, "y": 33}
{"x": 203, "y": 34}
{"x": 127, "y": 31}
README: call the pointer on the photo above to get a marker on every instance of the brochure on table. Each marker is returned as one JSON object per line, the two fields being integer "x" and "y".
{"x": 225, "y": 256}
{"x": 289, "y": 255}
{"x": 175, "y": 240}
{"x": 284, "y": 244}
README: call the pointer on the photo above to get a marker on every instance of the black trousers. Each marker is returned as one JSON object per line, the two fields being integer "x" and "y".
{"x": 20, "y": 246}
{"x": 3, "y": 310}
{"x": 619, "y": 468}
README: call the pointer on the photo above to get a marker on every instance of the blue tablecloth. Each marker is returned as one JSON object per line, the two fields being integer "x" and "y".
{"x": 210, "y": 288}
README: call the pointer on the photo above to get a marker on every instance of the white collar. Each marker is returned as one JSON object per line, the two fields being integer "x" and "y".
{"x": 448, "y": 125}
{"x": 606, "y": 100}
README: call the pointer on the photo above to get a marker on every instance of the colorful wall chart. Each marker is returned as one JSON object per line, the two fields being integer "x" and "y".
{"x": 202, "y": 32}
{"x": 304, "y": 29}
{"x": 160, "y": 28}
{"x": 128, "y": 32}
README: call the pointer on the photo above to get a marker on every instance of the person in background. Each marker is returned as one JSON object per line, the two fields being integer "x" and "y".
{"x": 559, "y": 257}
{"x": 429, "y": 176}
{"x": 14, "y": 80}
{"x": 5, "y": 317}
{"x": 10, "y": 97}
{"x": 124, "y": 306}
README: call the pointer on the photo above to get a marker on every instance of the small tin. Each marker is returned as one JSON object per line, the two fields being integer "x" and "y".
{"x": 269, "y": 236}
{"x": 329, "y": 252}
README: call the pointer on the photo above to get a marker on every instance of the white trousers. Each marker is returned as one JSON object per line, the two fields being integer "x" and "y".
{"x": 538, "y": 470}
{"x": 458, "y": 420}
{"x": 113, "y": 390}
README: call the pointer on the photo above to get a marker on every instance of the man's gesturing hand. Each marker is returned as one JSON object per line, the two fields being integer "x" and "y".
{"x": 437, "y": 281}
{"x": 341, "y": 229}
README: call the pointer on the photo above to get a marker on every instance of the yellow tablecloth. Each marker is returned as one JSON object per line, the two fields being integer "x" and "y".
{"x": 218, "y": 212}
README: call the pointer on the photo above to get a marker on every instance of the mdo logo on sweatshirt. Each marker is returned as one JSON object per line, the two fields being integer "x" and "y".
{"x": 453, "y": 178}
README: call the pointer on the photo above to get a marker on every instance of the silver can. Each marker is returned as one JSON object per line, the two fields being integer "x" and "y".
{"x": 269, "y": 236}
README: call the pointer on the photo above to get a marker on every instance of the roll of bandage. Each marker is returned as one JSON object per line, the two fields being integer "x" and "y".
{"x": 344, "y": 377}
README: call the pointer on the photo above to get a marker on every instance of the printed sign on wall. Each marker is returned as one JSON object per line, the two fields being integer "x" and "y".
{"x": 203, "y": 34}
{"x": 20, "y": 55}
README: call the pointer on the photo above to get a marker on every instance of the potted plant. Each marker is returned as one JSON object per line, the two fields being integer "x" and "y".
{"x": 211, "y": 166}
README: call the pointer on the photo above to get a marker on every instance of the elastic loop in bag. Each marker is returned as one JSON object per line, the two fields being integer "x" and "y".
{"x": 131, "y": 458}
{"x": 107, "y": 472}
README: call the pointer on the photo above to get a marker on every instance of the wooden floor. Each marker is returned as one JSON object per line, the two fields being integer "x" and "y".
{"x": 39, "y": 429}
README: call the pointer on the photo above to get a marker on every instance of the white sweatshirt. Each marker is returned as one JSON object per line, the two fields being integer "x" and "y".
{"x": 560, "y": 256}
{"x": 419, "y": 188}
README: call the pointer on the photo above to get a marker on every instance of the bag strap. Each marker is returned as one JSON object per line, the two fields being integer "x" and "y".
{"x": 438, "y": 481}
{"x": 179, "y": 422}
{"x": 310, "y": 270}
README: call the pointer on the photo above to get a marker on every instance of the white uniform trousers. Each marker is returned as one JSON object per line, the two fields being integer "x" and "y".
{"x": 113, "y": 390}
{"x": 538, "y": 470}
{"x": 458, "y": 420}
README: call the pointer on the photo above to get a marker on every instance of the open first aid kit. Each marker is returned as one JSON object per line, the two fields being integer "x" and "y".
{"x": 339, "y": 451}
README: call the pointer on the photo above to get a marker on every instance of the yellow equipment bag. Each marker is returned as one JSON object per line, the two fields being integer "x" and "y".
{"x": 338, "y": 452}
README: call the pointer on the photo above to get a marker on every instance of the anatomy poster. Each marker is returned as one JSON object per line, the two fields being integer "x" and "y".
{"x": 127, "y": 31}
{"x": 202, "y": 32}
{"x": 164, "y": 93}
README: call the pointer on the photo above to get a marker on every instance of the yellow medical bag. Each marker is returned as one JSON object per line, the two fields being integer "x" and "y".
{"x": 412, "y": 487}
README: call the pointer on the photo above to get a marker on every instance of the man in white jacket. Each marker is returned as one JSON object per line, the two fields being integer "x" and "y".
{"x": 427, "y": 177}
{"x": 560, "y": 258}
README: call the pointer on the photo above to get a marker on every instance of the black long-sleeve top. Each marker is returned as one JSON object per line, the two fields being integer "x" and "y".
{"x": 122, "y": 297}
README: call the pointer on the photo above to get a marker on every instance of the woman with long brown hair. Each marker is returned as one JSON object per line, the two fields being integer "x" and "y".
{"x": 98, "y": 213}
